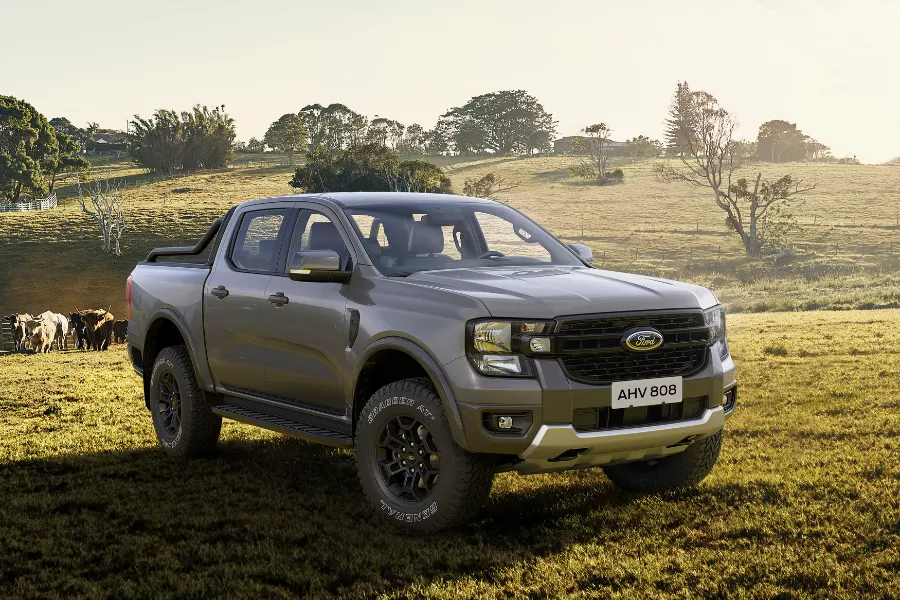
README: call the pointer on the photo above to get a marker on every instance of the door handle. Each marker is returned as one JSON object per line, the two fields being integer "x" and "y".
{"x": 219, "y": 292}
{"x": 278, "y": 299}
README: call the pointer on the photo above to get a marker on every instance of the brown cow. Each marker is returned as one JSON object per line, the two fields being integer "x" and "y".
{"x": 120, "y": 331}
{"x": 98, "y": 326}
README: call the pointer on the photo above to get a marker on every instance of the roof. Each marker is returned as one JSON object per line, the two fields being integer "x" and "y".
{"x": 358, "y": 198}
{"x": 367, "y": 198}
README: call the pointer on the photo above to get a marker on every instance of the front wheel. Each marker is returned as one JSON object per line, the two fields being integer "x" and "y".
{"x": 412, "y": 470}
{"x": 184, "y": 422}
{"x": 685, "y": 469}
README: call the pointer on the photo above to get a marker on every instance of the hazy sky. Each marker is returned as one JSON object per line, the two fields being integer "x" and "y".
{"x": 833, "y": 67}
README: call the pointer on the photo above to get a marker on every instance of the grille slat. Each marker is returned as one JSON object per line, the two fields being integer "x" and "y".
{"x": 591, "y": 350}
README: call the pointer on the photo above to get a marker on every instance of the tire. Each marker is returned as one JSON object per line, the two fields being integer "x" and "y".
{"x": 685, "y": 469}
{"x": 185, "y": 424}
{"x": 452, "y": 484}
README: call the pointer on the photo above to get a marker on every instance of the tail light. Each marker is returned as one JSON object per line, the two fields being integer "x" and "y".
{"x": 128, "y": 298}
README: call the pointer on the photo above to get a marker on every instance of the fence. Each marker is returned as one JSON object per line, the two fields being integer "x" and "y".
{"x": 6, "y": 336}
{"x": 45, "y": 204}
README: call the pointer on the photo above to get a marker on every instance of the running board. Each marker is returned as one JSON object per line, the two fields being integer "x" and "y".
{"x": 283, "y": 425}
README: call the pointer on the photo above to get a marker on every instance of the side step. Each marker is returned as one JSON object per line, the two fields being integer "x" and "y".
{"x": 283, "y": 425}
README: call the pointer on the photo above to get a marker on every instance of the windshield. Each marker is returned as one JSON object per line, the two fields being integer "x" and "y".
{"x": 402, "y": 239}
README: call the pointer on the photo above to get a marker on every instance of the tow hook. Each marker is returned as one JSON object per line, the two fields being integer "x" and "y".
{"x": 686, "y": 441}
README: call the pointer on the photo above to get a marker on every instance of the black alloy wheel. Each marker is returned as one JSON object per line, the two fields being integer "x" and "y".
{"x": 169, "y": 405}
{"x": 408, "y": 458}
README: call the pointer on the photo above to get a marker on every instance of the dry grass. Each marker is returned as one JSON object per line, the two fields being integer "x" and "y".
{"x": 52, "y": 260}
{"x": 804, "y": 502}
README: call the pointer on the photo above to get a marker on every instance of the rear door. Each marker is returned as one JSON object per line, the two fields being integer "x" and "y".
{"x": 235, "y": 298}
{"x": 307, "y": 335}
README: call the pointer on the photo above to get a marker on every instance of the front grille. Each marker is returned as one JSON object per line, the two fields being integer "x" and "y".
{"x": 600, "y": 419}
{"x": 591, "y": 351}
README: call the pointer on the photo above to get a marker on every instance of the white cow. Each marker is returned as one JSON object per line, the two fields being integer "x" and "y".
{"x": 61, "y": 324}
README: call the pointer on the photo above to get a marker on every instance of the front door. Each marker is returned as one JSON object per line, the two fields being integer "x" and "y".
{"x": 307, "y": 334}
{"x": 235, "y": 299}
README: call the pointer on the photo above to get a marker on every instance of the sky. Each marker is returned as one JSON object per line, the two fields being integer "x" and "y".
{"x": 832, "y": 67}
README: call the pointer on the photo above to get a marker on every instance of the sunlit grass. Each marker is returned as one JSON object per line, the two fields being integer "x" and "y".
{"x": 803, "y": 503}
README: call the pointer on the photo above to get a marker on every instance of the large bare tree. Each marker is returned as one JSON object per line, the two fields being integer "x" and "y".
{"x": 101, "y": 200}
{"x": 708, "y": 156}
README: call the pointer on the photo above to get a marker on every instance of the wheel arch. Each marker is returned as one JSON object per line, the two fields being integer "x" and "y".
{"x": 168, "y": 329}
{"x": 392, "y": 359}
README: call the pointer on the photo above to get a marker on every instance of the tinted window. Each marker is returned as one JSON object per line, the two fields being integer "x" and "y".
{"x": 315, "y": 231}
{"x": 422, "y": 236}
{"x": 256, "y": 245}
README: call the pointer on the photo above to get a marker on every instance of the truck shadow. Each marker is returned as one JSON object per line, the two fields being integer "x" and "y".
{"x": 277, "y": 515}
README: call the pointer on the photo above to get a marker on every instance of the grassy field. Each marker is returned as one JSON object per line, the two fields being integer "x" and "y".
{"x": 849, "y": 247}
{"x": 805, "y": 501}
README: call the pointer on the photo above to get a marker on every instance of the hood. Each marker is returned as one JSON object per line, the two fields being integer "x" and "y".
{"x": 547, "y": 292}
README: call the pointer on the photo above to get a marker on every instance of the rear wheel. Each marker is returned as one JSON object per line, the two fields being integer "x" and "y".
{"x": 184, "y": 422}
{"x": 685, "y": 469}
{"x": 412, "y": 470}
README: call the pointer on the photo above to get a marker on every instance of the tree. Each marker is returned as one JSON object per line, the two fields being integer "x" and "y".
{"x": 681, "y": 119}
{"x": 594, "y": 148}
{"x": 255, "y": 146}
{"x": 287, "y": 135}
{"x": 815, "y": 150}
{"x": 334, "y": 126}
{"x": 26, "y": 142}
{"x": 499, "y": 122}
{"x": 106, "y": 210}
{"x": 708, "y": 159}
{"x": 168, "y": 141}
{"x": 643, "y": 147}
{"x": 540, "y": 141}
{"x": 437, "y": 140}
{"x": 780, "y": 141}
{"x": 369, "y": 167}
{"x": 488, "y": 186}
{"x": 413, "y": 142}
{"x": 67, "y": 162}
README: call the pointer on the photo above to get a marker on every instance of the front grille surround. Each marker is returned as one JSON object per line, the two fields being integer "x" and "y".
{"x": 590, "y": 349}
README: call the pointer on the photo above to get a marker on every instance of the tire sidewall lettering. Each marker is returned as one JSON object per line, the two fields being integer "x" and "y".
{"x": 399, "y": 401}
{"x": 416, "y": 517}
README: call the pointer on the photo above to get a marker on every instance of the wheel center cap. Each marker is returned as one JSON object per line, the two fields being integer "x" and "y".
{"x": 411, "y": 457}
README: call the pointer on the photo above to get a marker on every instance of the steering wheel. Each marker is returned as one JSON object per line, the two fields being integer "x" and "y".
{"x": 490, "y": 254}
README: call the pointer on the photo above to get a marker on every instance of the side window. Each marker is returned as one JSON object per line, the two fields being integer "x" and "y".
{"x": 256, "y": 245}
{"x": 315, "y": 231}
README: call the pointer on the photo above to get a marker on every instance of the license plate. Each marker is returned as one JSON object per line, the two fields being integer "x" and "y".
{"x": 646, "y": 392}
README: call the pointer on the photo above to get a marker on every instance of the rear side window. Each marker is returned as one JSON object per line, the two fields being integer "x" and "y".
{"x": 256, "y": 246}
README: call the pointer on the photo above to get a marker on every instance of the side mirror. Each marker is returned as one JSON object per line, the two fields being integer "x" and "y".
{"x": 317, "y": 265}
{"x": 583, "y": 252}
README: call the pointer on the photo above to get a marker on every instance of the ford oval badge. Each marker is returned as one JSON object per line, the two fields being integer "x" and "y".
{"x": 643, "y": 340}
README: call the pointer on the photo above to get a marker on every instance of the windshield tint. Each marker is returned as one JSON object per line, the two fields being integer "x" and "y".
{"x": 404, "y": 238}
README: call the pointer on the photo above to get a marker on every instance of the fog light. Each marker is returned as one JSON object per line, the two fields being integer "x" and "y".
{"x": 539, "y": 344}
{"x": 505, "y": 422}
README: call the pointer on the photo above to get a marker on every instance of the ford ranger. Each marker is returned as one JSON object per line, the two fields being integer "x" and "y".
{"x": 444, "y": 338}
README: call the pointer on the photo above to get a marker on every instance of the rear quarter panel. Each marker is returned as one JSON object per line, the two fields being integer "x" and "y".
{"x": 174, "y": 292}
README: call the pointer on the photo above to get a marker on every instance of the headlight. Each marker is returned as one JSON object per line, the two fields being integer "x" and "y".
{"x": 497, "y": 347}
{"x": 715, "y": 320}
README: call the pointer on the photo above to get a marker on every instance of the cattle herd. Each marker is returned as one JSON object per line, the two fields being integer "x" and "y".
{"x": 90, "y": 330}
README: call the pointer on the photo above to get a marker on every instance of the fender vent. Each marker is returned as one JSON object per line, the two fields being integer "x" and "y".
{"x": 354, "y": 327}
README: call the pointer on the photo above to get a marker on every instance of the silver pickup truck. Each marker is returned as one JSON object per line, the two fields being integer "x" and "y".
{"x": 444, "y": 338}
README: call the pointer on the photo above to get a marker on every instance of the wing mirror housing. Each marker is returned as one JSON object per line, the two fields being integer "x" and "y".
{"x": 583, "y": 252}
{"x": 317, "y": 265}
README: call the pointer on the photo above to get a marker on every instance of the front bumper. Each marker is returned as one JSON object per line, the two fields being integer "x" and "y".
{"x": 552, "y": 443}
